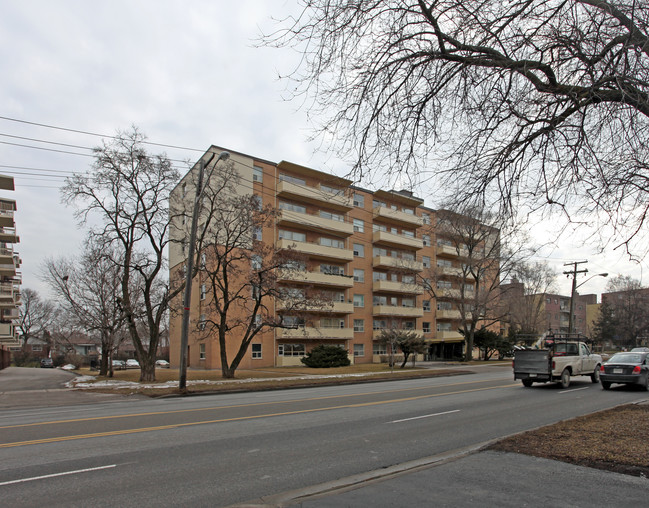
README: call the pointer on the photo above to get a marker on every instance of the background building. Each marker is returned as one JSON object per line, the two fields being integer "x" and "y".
{"x": 377, "y": 256}
{"x": 9, "y": 265}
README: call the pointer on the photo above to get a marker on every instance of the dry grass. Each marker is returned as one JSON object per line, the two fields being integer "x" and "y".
{"x": 614, "y": 440}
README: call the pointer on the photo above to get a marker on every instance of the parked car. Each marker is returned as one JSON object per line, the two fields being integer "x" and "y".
{"x": 47, "y": 363}
{"x": 626, "y": 368}
{"x": 640, "y": 350}
{"x": 69, "y": 366}
{"x": 164, "y": 364}
{"x": 119, "y": 365}
{"x": 132, "y": 363}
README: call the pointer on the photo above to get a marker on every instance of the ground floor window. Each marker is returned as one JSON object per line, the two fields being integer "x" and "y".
{"x": 291, "y": 350}
{"x": 359, "y": 349}
{"x": 256, "y": 351}
{"x": 201, "y": 351}
{"x": 426, "y": 327}
{"x": 379, "y": 349}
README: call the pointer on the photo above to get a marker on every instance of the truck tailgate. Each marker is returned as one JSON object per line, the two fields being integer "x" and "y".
{"x": 532, "y": 362}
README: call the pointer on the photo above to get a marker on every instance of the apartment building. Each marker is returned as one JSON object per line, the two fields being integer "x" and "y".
{"x": 9, "y": 265}
{"x": 376, "y": 255}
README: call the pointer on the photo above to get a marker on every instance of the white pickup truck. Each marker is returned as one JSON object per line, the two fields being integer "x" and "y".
{"x": 556, "y": 359}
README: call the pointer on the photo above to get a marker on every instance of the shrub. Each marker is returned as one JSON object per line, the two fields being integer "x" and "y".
{"x": 326, "y": 356}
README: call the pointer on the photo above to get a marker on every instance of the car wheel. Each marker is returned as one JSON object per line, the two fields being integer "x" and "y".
{"x": 527, "y": 383}
{"x": 565, "y": 378}
{"x": 594, "y": 377}
{"x": 645, "y": 385}
{"x": 606, "y": 385}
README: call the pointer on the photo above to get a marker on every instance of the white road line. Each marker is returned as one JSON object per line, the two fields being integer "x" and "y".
{"x": 23, "y": 480}
{"x": 574, "y": 389}
{"x": 425, "y": 416}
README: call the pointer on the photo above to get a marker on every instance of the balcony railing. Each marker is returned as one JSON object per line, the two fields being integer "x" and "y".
{"x": 315, "y": 223}
{"x": 393, "y": 240}
{"x": 310, "y": 332}
{"x": 394, "y": 310}
{"x": 328, "y": 307}
{"x": 377, "y": 333}
{"x": 392, "y": 262}
{"x": 316, "y": 278}
{"x": 314, "y": 195}
{"x": 317, "y": 251}
{"x": 397, "y": 287}
{"x": 397, "y": 217}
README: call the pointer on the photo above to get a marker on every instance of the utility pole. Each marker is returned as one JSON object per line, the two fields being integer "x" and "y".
{"x": 573, "y": 293}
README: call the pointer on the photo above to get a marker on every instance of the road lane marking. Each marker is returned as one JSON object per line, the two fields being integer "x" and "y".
{"x": 425, "y": 416}
{"x": 575, "y": 389}
{"x": 252, "y": 404}
{"x": 54, "y": 475}
{"x": 242, "y": 418}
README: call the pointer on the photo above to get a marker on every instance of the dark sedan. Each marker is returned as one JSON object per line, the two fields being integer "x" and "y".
{"x": 626, "y": 368}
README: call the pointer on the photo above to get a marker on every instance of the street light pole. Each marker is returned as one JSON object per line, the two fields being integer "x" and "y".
{"x": 184, "y": 334}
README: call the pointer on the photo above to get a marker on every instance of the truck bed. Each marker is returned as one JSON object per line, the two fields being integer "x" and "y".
{"x": 532, "y": 363}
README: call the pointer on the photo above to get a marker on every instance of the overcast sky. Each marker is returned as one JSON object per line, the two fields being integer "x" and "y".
{"x": 187, "y": 74}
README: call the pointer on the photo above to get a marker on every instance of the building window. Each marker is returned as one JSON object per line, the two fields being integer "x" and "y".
{"x": 426, "y": 218}
{"x": 359, "y": 226}
{"x": 201, "y": 352}
{"x": 426, "y": 327}
{"x": 426, "y": 305}
{"x": 291, "y": 179}
{"x": 332, "y": 242}
{"x": 444, "y": 306}
{"x": 257, "y": 202}
{"x": 256, "y": 351}
{"x": 290, "y": 235}
{"x": 359, "y": 325}
{"x": 444, "y": 327}
{"x": 256, "y": 262}
{"x": 203, "y": 291}
{"x": 359, "y": 200}
{"x": 359, "y": 275}
{"x": 36, "y": 349}
{"x": 201, "y": 322}
{"x": 426, "y": 240}
{"x": 331, "y": 216}
{"x": 291, "y": 207}
{"x": 291, "y": 350}
{"x": 379, "y": 349}
{"x": 359, "y": 301}
{"x": 359, "y": 250}
{"x": 256, "y": 234}
{"x": 426, "y": 261}
{"x": 359, "y": 349}
{"x": 257, "y": 174}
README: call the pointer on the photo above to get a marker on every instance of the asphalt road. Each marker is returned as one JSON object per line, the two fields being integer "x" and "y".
{"x": 225, "y": 449}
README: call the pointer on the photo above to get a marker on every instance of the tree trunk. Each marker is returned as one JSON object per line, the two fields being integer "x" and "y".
{"x": 147, "y": 369}
{"x": 405, "y": 359}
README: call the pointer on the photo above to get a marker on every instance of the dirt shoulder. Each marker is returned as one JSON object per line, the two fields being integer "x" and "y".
{"x": 613, "y": 440}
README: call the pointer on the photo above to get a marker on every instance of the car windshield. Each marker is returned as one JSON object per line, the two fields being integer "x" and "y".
{"x": 626, "y": 358}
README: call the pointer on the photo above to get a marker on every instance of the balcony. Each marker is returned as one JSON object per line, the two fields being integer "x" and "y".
{"x": 394, "y": 310}
{"x": 398, "y": 241}
{"x": 315, "y": 223}
{"x": 7, "y": 270}
{"x": 10, "y": 313}
{"x": 8, "y": 235}
{"x": 451, "y": 251}
{"x": 6, "y": 255}
{"x": 328, "y": 308}
{"x": 447, "y": 336}
{"x": 452, "y": 315}
{"x": 397, "y": 217}
{"x": 397, "y": 287}
{"x": 7, "y": 207}
{"x": 448, "y": 293}
{"x": 7, "y": 291}
{"x": 316, "y": 278}
{"x": 377, "y": 333}
{"x": 7, "y": 331}
{"x": 314, "y": 195}
{"x": 450, "y": 271}
{"x": 391, "y": 262}
{"x": 317, "y": 251}
{"x": 313, "y": 333}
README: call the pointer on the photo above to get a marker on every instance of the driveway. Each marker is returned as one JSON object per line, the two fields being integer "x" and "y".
{"x": 22, "y": 387}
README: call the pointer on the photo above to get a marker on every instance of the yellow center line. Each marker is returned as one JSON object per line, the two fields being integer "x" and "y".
{"x": 240, "y": 418}
{"x": 253, "y": 404}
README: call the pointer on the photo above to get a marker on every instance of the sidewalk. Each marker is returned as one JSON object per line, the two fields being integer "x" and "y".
{"x": 485, "y": 478}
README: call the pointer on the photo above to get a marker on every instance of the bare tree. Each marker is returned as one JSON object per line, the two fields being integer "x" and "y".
{"x": 242, "y": 275}
{"x": 482, "y": 256}
{"x": 627, "y": 305}
{"x": 532, "y": 103}
{"x": 128, "y": 189}
{"x": 522, "y": 298}
{"x": 35, "y": 316}
{"x": 89, "y": 288}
